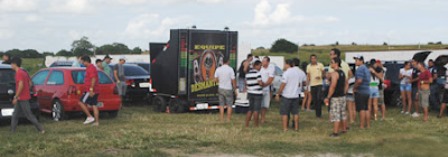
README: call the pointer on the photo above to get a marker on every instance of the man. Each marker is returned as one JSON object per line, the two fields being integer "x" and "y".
{"x": 244, "y": 68}
{"x": 362, "y": 91}
{"x": 267, "y": 76}
{"x": 106, "y": 68}
{"x": 254, "y": 84}
{"x": 289, "y": 92}
{"x": 445, "y": 95}
{"x": 414, "y": 81}
{"x": 78, "y": 63}
{"x": 6, "y": 58}
{"x": 434, "y": 97}
{"x": 302, "y": 77}
{"x": 425, "y": 79}
{"x": 225, "y": 76}
{"x": 21, "y": 98}
{"x": 315, "y": 71}
{"x": 120, "y": 78}
{"x": 336, "y": 94}
{"x": 99, "y": 64}
{"x": 90, "y": 96}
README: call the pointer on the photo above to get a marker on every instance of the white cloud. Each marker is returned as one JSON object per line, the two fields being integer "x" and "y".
{"x": 18, "y": 5}
{"x": 133, "y": 2}
{"x": 151, "y": 25}
{"x": 71, "y": 6}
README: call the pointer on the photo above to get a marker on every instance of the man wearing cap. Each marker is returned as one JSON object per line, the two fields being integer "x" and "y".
{"x": 362, "y": 91}
{"x": 106, "y": 68}
{"x": 120, "y": 78}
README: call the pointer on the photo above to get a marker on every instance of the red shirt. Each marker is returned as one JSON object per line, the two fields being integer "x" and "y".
{"x": 91, "y": 72}
{"x": 21, "y": 75}
{"x": 424, "y": 76}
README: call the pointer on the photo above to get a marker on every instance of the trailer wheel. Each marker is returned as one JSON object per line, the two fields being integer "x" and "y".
{"x": 159, "y": 104}
{"x": 177, "y": 106}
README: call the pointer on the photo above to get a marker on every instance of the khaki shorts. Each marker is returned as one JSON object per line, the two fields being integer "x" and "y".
{"x": 225, "y": 97}
{"x": 424, "y": 98}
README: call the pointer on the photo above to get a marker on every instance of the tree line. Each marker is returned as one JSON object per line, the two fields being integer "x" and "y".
{"x": 78, "y": 48}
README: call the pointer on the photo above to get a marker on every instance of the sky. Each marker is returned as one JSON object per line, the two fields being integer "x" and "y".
{"x": 52, "y": 25}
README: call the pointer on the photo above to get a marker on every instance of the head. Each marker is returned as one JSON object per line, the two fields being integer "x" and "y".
{"x": 257, "y": 65}
{"x": 287, "y": 64}
{"x": 359, "y": 60}
{"x": 421, "y": 66}
{"x": 373, "y": 63}
{"x": 378, "y": 63}
{"x": 99, "y": 63}
{"x": 6, "y": 57}
{"x": 16, "y": 63}
{"x": 313, "y": 59}
{"x": 431, "y": 63}
{"x": 335, "y": 53}
{"x": 86, "y": 61}
{"x": 407, "y": 65}
{"x": 122, "y": 60}
{"x": 250, "y": 57}
{"x": 107, "y": 59}
{"x": 296, "y": 62}
{"x": 335, "y": 63}
{"x": 414, "y": 63}
{"x": 226, "y": 60}
{"x": 266, "y": 61}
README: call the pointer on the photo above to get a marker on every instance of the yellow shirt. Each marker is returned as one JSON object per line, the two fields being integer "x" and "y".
{"x": 344, "y": 67}
{"x": 315, "y": 71}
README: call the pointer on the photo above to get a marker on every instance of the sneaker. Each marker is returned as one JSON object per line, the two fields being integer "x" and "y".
{"x": 89, "y": 120}
{"x": 402, "y": 112}
{"x": 415, "y": 115}
{"x": 406, "y": 113}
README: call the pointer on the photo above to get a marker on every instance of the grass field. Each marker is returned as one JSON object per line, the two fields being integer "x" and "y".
{"x": 138, "y": 131}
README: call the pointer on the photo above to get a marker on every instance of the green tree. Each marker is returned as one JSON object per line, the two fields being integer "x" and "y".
{"x": 64, "y": 53}
{"x": 283, "y": 45}
{"x": 28, "y": 53}
{"x": 115, "y": 48}
{"x": 136, "y": 50}
{"x": 82, "y": 47}
{"x": 48, "y": 54}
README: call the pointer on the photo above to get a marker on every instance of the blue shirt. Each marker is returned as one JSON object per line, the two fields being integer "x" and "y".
{"x": 363, "y": 73}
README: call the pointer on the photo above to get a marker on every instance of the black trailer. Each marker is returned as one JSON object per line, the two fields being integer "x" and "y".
{"x": 182, "y": 70}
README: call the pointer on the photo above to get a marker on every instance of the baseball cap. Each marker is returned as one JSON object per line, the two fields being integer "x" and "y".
{"x": 378, "y": 61}
{"x": 122, "y": 58}
{"x": 358, "y": 57}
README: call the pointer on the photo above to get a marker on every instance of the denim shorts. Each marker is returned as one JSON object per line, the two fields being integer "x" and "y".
{"x": 405, "y": 87}
{"x": 374, "y": 92}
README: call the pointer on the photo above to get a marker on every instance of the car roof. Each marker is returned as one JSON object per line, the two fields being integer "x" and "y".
{"x": 65, "y": 68}
{"x": 5, "y": 66}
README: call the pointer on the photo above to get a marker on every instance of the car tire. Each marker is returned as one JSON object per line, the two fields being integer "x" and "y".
{"x": 159, "y": 104}
{"x": 57, "y": 111}
{"x": 113, "y": 114}
{"x": 176, "y": 106}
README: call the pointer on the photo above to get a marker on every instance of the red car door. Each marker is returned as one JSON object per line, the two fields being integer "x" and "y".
{"x": 54, "y": 87}
{"x": 39, "y": 80}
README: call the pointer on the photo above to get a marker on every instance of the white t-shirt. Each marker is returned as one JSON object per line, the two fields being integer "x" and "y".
{"x": 290, "y": 78}
{"x": 225, "y": 75}
{"x": 302, "y": 78}
{"x": 406, "y": 73}
{"x": 267, "y": 73}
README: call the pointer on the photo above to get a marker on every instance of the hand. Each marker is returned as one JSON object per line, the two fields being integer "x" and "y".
{"x": 91, "y": 94}
{"x": 355, "y": 90}
{"x": 371, "y": 70}
{"x": 14, "y": 102}
{"x": 326, "y": 101}
{"x": 277, "y": 97}
{"x": 236, "y": 92}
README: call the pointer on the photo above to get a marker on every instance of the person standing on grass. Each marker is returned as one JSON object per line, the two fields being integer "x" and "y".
{"x": 90, "y": 96}
{"x": 351, "y": 107}
{"x": 434, "y": 97}
{"x": 414, "y": 93}
{"x": 21, "y": 98}
{"x": 336, "y": 94}
{"x": 289, "y": 93}
{"x": 267, "y": 76}
{"x": 99, "y": 64}
{"x": 120, "y": 78}
{"x": 425, "y": 79}
{"x": 225, "y": 76}
{"x": 255, "y": 85}
{"x": 302, "y": 78}
{"x": 106, "y": 68}
{"x": 379, "y": 72}
{"x": 374, "y": 89}
{"x": 406, "y": 87}
{"x": 362, "y": 91}
{"x": 445, "y": 95}
{"x": 315, "y": 71}
{"x": 244, "y": 68}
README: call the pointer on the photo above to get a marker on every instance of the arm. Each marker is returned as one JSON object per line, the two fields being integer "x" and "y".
{"x": 346, "y": 86}
{"x": 246, "y": 67}
{"x": 334, "y": 81}
{"x": 234, "y": 83}
{"x": 116, "y": 76}
{"x": 269, "y": 82}
{"x": 19, "y": 89}
{"x": 357, "y": 84}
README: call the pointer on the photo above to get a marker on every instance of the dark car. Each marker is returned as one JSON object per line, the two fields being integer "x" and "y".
{"x": 62, "y": 64}
{"x": 146, "y": 66}
{"x": 8, "y": 90}
{"x": 137, "y": 81}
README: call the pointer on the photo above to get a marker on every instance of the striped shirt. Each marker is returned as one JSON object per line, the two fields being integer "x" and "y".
{"x": 252, "y": 79}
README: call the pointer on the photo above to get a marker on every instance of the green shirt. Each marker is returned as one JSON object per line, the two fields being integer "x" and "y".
{"x": 107, "y": 69}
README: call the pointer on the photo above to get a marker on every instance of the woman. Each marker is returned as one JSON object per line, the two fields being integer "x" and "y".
{"x": 374, "y": 90}
{"x": 406, "y": 87}
{"x": 351, "y": 107}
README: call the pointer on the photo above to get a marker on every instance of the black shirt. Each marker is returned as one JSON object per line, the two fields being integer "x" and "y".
{"x": 241, "y": 72}
{"x": 340, "y": 85}
{"x": 415, "y": 73}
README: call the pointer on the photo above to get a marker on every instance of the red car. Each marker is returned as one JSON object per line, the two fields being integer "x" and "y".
{"x": 59, "y": 90}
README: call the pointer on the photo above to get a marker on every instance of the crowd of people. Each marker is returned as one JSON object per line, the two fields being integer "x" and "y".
{"x": 347, "y": 92}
